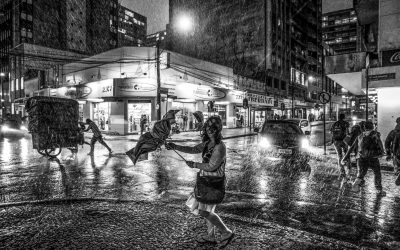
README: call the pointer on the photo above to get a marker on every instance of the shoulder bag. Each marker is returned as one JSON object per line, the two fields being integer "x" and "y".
{"x": 209, "y": 189}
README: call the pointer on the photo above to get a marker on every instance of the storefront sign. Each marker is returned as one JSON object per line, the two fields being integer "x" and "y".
{"x": 208, "y": 93}
{"x": 381, "y": 77}
{"x": 234, "y": 96}
{"x": 130, "y": 87}
{"x": 390, "y": 58}
{"x": 197, "y": 92}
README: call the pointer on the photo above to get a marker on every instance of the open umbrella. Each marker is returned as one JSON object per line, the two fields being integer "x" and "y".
{"x": 152, "y": 140}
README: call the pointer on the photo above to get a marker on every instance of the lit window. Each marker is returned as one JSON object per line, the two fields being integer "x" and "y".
{"x": 23, "y": 15}
{"x": 12, "y": 85}
{"x": 22, "y": 83}
{"x": 16, "y": 85}
{"x": 23, "y": 32}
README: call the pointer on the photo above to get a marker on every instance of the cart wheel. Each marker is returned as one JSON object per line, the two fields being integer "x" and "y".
{"x": 54, "y": 151}
{"x": 42, "y": 152}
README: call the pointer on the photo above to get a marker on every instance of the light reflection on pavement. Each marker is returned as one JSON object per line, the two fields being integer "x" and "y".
{"x": 312, "y": 200}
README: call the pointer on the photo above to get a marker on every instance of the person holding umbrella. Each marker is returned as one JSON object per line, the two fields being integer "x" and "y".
{"x": 209, "y": 193}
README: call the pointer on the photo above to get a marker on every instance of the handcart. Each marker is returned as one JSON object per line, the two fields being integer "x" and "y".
{"x": 54, "y": 124}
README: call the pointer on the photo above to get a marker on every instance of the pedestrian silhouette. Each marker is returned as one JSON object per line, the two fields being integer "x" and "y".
{"x": 97, "y": 136}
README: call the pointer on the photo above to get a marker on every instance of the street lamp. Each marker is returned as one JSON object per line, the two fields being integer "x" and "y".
{"x": 184, "y": 23}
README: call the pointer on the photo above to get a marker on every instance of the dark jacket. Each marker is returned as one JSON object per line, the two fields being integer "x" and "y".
{"x": 390, "y": 138}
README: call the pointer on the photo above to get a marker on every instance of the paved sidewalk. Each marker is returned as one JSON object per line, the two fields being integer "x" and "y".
{"x": 139, "y": 225}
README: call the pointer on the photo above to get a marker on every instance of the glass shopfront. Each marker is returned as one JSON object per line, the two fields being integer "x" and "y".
{"x": 185, "y": 118}
{"x": 137, "y": 110}
{"x": 101, "y": 115}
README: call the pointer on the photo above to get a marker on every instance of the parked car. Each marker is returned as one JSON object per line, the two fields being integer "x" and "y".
{"x": 285, "y": 138}
{"x": 11, "y": 127}
{"x": 304, "y": 124}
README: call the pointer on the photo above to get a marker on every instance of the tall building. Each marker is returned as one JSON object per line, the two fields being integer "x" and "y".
{"x": 341, "y": 31}
{"x": 273, "y": 46}
{"x": 32, "y": 40}
{"x": 157, "y": 38}
{"x": 132, "y": 28}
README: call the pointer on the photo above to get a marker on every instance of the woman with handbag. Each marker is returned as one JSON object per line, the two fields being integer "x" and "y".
{"x": 210, "y": 182}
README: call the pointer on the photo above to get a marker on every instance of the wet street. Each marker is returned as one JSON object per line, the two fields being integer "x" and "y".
{"x": 259, "y": 187}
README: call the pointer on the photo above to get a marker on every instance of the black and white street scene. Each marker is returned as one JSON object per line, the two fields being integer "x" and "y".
{"x": 188, "y": 124}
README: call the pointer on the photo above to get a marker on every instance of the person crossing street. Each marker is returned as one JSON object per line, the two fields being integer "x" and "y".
{"x": 392, "y": 146}
{"x": 369, "y": 148}
{"x": 97, "y": 136}
{"x": 339, "y": 131}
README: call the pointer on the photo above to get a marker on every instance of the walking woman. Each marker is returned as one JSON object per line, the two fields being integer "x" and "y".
{"x": 213, "y": 166}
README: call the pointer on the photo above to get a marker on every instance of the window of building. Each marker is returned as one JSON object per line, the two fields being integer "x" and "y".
{"x": 22, "y": 83}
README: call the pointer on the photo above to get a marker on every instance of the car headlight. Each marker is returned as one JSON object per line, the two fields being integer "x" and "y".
{"x": 5, "y": 128}
{"x": 264, "y": 143}
{"x": 23, "y": 128}
{"x": 305, "y": 143}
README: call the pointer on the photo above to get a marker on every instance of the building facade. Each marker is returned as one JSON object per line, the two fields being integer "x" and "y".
{"x": 132, "y": 28}
{"x": 341, "y": 31}
{"x": 32, "y": 41}
{"x": 116, "y": 94}
{"x": 277, "y": 44}
{"x": 157, "y": 38}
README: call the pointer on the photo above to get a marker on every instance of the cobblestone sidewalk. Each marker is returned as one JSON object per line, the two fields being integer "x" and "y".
{"x": 138, "y": 225}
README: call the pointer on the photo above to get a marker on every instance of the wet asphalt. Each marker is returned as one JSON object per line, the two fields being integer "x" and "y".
{"x": 260, "y": 187}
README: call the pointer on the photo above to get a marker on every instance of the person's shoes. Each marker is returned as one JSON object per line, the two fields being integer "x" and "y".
{"x": 205, "y": 238}
{"x": 90, "y": 153}
{"x": 356, "y": 185}
{"x": 380, "y": 192}
{"x": 225, "y": 241}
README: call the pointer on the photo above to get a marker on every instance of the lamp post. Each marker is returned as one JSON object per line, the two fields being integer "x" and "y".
{"x": 367, "y": 83}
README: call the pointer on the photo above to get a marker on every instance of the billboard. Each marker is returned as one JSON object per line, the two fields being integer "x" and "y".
{"x": 346, "y": 63}
{"x": 390, "y": 58}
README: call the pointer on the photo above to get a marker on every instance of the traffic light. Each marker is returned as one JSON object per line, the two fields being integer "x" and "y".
{"x": 245, "y": 103}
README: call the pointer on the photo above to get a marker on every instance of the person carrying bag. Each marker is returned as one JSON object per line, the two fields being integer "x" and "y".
{"x": 210, "y": 182}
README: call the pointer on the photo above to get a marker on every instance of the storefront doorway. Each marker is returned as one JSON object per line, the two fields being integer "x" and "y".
{"x": 101, "y": 115}
{"x": 135, "y": 112}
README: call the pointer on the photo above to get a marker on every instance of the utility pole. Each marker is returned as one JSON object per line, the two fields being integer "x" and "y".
{"x": 158, "y": 104}
{"x": 367, "y": 83}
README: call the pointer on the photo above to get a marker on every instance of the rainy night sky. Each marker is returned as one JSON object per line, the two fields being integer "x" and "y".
{"x": 156, "y": 20}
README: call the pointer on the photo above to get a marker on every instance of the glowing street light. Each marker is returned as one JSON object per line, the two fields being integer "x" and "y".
{"x": 185, "y": 23}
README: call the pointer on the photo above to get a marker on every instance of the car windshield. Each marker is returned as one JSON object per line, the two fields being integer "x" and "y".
{"x": 281, "y": 128}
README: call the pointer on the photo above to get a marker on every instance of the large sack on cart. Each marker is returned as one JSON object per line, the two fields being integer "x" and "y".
{"x": 53, "y": 122}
